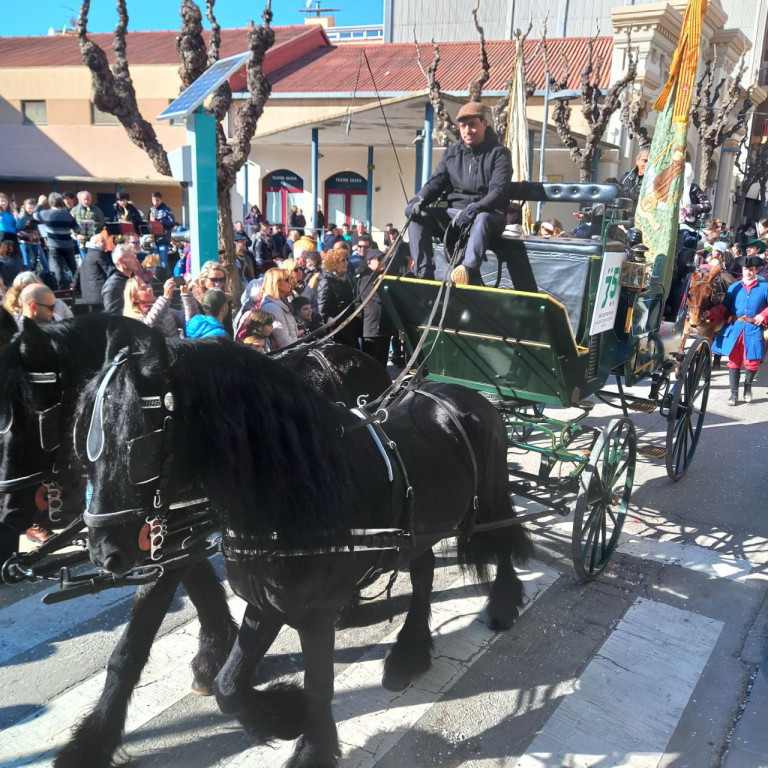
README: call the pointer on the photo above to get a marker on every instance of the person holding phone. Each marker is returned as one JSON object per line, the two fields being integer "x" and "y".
{"x": 141, "y": 304}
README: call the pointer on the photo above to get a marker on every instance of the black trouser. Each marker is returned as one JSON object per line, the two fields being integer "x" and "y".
{"x": 61, "y": 259}
{"x": 487, "y": 226}
{"x": 378, "y": 348}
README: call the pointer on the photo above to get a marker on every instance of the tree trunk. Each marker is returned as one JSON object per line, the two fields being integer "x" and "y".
{"x": 227, "y": 242}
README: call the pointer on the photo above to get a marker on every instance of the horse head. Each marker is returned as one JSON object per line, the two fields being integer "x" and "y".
{"x": 123, "y": 435}
{"x": 702, "y": 295}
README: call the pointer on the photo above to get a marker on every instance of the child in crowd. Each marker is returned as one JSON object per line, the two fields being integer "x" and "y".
{"x": 256, "y": 330}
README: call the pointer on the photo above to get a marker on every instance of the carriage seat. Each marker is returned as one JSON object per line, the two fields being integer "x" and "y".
{"x": 560, "y": 267}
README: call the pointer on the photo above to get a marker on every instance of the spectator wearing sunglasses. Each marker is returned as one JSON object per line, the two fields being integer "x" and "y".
{"x": 359, "y": 256}
{"x": 38, "y": 303}
{"x": 277, "y": 289}
{"x": 336, "y": 297}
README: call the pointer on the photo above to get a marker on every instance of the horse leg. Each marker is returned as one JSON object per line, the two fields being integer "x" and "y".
{"x": 217, "y": 627}
{"x": 318, "y": 747}
{"x": 507, "y": 592}
{"x": 98, "y": 734}
{"x": 411, "y": 655}
{"x": 276, "y": 712}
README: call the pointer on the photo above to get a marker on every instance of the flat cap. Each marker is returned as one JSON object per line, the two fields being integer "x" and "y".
{"x": 471, "y": 110}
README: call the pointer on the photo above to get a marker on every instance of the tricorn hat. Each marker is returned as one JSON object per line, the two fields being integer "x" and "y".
{"x": 753, "y": 261}
{"x": 471, "y": 110}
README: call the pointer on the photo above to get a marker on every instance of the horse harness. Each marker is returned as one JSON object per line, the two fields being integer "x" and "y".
{"x": 717, "y": 290}
{"x": 49, "y": 433}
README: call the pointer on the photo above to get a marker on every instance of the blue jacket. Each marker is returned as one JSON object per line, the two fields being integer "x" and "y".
{"x": 741, "y": 304}
{"x": 203, "y": 327}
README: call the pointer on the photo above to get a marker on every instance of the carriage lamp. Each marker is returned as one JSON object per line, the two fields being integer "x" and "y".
{"x": 636, "y": 271}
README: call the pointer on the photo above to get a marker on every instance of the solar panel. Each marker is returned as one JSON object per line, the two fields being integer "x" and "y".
{"x": 191, "y": 98}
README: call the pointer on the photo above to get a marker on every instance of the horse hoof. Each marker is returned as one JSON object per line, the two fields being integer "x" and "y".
{"x": 395, "y": 681}
{"x": 399, "y": 671}
{"x": 201, "y": 689}
{"x": 501, "y": 623}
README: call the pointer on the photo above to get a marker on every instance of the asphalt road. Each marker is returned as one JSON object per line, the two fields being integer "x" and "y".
{"x": 655, "y": 664}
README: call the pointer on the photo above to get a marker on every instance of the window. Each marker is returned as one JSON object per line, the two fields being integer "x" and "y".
{"x": 102, "y": 118}
{"x": 281, "y": 190}
{"x": 34, "y": 113}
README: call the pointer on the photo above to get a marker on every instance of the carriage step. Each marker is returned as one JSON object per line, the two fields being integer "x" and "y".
{"x": 644, "y": 406}
{"x": 652, "y": 451}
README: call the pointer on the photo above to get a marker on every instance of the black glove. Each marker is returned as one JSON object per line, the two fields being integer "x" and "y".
{"x": 414, "y": 207}
{"x": 466, "y": 216}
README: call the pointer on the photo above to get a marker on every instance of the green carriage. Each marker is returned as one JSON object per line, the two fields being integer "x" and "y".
{"x": 587, "y": 312}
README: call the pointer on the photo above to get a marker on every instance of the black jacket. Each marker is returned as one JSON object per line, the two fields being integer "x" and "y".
{"x": 334, "y": 294}
{"x": 93, "y": 274}
{"x": 113, "y": 293}
{"x": 479, "y": 175}
{"x": 376, "y": 322}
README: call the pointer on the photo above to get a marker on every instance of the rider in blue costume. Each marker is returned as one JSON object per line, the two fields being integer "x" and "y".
{"x": 745, "y": 310}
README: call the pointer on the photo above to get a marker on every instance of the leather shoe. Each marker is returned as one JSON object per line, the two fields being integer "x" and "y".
{"x": 38, "y": 534}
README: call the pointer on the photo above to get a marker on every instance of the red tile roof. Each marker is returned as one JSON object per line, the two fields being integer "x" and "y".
{"x": 143, "y": 47}
{"x": 343, "y": 69}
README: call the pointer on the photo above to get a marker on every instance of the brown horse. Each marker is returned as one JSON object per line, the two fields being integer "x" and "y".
{"x": 706, "y": 290}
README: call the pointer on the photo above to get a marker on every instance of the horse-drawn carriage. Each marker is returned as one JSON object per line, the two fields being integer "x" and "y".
{"x": 575, "y": 313}
{"x": 161, "y": 479}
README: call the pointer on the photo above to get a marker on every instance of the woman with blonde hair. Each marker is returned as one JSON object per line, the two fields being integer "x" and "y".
{"x": 211, "y": 277}
{"x": 276, "y": 290}
{"x": 141, "y": 304}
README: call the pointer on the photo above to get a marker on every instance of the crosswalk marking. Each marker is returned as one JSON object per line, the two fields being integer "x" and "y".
{"x": 644, "y": 674}
{"x": 27, "y": 623}
{"x": 370, "y": 719}
{"x": 163, "y": 683}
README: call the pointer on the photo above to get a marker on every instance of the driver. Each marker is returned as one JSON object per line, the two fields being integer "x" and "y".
{"x": 475, "y": 173}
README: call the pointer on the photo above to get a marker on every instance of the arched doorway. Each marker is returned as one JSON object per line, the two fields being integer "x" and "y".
{"x": 345, "y": 198}
{"x": 279, "y": 191}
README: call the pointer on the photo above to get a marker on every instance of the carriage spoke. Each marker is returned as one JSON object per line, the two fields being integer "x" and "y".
{"x": 603, "y": 499}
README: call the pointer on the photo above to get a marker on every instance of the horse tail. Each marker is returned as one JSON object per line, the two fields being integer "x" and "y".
{"x": 477, "y": 550}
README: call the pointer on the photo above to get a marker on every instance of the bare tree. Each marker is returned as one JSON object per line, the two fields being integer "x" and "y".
{"x": 754, "y": 170}
{"x": 633, "y": 113}
{"x": 113, "y": 92}
{"x": 445, "y": 131}
{"x": 712, "y": 116}
{"x": 595, "y": 115}
{"x": 476, "y": 86}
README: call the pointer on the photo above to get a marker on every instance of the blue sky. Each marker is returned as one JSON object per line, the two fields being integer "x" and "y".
{"x": 36, "y": 19}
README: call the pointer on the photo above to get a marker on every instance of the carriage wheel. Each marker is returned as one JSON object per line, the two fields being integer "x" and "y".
{"x": 604, "y": 491}
{"x": 689, "y": 404}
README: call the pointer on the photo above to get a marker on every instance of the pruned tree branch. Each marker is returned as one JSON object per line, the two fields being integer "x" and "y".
{"x": 191, "y": 45}
{"x": 595, "y": 115}
{"x": 476, "y": 86}
{"x": 112, "y": 88}
{"x": 113, "y": 92}
{"x": 754, "y": 170}
{"x": 711, "y": 113}
{"x": 446, "y": 131}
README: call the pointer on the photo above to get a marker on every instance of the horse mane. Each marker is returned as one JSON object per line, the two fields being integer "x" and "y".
{"x": 79, "y": 346}
{"x": 265, "y": 446}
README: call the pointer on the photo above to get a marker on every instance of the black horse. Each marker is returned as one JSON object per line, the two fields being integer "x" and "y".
{"x": 41, "y": 375}
{"x": 291, "y": 538}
